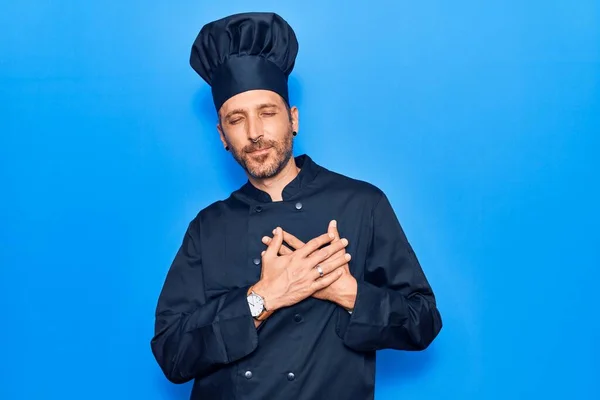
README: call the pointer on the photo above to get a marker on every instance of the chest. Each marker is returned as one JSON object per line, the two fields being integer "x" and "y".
{"x": 232, "y": 246}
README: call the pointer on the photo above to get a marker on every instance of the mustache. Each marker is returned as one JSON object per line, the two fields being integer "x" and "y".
{"x": 259, "y": 146}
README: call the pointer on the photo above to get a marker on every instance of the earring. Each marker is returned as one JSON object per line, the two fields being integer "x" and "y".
{"x": 294, "y": 133}
{"x": 226, "y": 148}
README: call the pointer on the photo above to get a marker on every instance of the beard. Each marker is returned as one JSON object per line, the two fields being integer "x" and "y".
{"x": 268, "y": 164}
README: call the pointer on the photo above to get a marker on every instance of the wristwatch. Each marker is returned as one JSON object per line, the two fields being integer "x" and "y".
{"x": 256, "y": 302}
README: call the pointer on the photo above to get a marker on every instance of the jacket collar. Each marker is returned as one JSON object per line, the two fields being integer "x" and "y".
{"x": 308, "y": 172}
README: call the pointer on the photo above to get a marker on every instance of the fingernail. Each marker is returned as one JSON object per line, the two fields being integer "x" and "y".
{"x": 275, "y": 231}
{"x": 278, "y": 230}
{"x": 348, "y": 257}
{"x": 334, "y": 223}
{"x": 344, "y": 241}
{"x": 331, "y": 235}
{"x": 263, "y": 253}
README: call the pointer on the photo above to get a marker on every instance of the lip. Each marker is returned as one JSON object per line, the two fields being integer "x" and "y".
{"x": 261, "y": 151}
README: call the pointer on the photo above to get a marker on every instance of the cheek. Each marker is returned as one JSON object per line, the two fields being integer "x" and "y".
{"x": 276, "y": 128}
{"x": 236, "y": 135}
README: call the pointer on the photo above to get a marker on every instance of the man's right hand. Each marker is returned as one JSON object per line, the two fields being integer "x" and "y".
{"x": 290, "y": 278}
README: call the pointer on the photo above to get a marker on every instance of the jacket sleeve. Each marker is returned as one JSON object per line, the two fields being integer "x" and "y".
{"x": 395, "y": 306}
{"x": 195, "y": 334}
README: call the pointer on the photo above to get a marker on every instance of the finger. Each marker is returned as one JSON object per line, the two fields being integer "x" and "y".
{"x": 314, "y": 244}
{"x": 333, "y": 229}
{"x": 326, "y": 280}
{"x": 288, "y": 239}
{"x": 326, "y": 252}
{"x": 340, "y": 252}
{"x": 292, "y": 240}
{"x": 283, "y": 250}
{"x": 332, "y": 264}
{"x": 275, "y": 245}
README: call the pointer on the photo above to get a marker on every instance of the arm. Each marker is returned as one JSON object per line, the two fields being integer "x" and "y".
{"x": 395, "y": 307}
{"x": 195, "y": 334}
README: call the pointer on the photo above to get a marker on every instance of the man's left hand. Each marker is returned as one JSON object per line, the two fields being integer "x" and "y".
{"x": 342, "y": 291}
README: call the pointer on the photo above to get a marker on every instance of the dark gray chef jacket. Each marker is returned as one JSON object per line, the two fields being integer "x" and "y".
{"x": 314, "y": 349}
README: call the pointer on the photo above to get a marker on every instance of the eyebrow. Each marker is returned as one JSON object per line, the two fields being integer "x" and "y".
{"x": 242, "y": 111}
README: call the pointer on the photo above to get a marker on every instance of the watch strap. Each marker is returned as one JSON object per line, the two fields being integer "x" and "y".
{"x": 265, "y": 312}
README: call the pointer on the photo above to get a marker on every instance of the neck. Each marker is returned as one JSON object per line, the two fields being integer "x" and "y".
{"x": 274, "y": 186}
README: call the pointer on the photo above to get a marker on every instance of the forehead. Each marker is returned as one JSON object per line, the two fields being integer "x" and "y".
{"x": 250, "y": 100}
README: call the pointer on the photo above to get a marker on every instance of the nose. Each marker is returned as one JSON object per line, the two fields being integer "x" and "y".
{"x": 255, "y": 128}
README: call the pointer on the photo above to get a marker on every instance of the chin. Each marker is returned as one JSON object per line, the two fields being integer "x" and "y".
{"x": 262, "y": 171}
{"x": 263, "y": 167}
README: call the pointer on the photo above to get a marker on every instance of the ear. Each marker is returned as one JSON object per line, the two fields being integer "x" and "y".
{"x": 222, "y": 135}
{"x": 295, "y": 120}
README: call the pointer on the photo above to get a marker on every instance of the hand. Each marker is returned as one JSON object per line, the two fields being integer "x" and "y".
{"x": 290, "y": 278}
{"x": 343, "y": 290}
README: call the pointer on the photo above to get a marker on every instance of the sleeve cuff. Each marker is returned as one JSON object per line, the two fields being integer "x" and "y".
{"x": 238, "y": 332}
{"x": 345, "y": 317}
{"x": 361, "y": 329}
{"x": 234, "y": 332}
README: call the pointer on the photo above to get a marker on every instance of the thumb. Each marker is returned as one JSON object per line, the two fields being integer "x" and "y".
{"x": 275, "y": 245}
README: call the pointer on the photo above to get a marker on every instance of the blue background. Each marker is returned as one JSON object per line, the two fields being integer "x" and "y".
{"x": 480, "y": 120}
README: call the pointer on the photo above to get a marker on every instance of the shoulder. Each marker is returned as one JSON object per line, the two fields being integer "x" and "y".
{"x": 356, "y": 188}
{"x": 208, "y": 214}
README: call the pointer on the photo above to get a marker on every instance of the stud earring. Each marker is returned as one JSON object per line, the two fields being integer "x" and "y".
{"x": 294, "y": 133}
{"x": 226, "y": 148}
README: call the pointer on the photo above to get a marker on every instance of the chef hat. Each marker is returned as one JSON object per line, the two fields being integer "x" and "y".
{"x": 243, "y": 52}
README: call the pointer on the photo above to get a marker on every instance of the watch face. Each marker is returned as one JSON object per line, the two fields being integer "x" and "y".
{"x": 256, "y": 304}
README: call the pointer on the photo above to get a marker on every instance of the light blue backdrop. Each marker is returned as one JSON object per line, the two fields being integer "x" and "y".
{"x": 479, "y": 119}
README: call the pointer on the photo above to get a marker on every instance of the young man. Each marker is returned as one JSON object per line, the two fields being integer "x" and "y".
{"x": 286, "y": 289}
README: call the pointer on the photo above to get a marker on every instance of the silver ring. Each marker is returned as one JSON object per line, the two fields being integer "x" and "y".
{"x": 320, "y": 271}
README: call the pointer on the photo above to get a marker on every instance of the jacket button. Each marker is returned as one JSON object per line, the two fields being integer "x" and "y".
{"x": 297, "y": 317}
{"x": 258, "y": 209}
{"x": 256, "y": 261}
{"x": 248, "y": 374}
{"x": 291, "y": 376}
{"x": 298, "y": 206}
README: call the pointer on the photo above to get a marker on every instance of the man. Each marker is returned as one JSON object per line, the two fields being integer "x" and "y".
{"x": 286, "y": 289}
